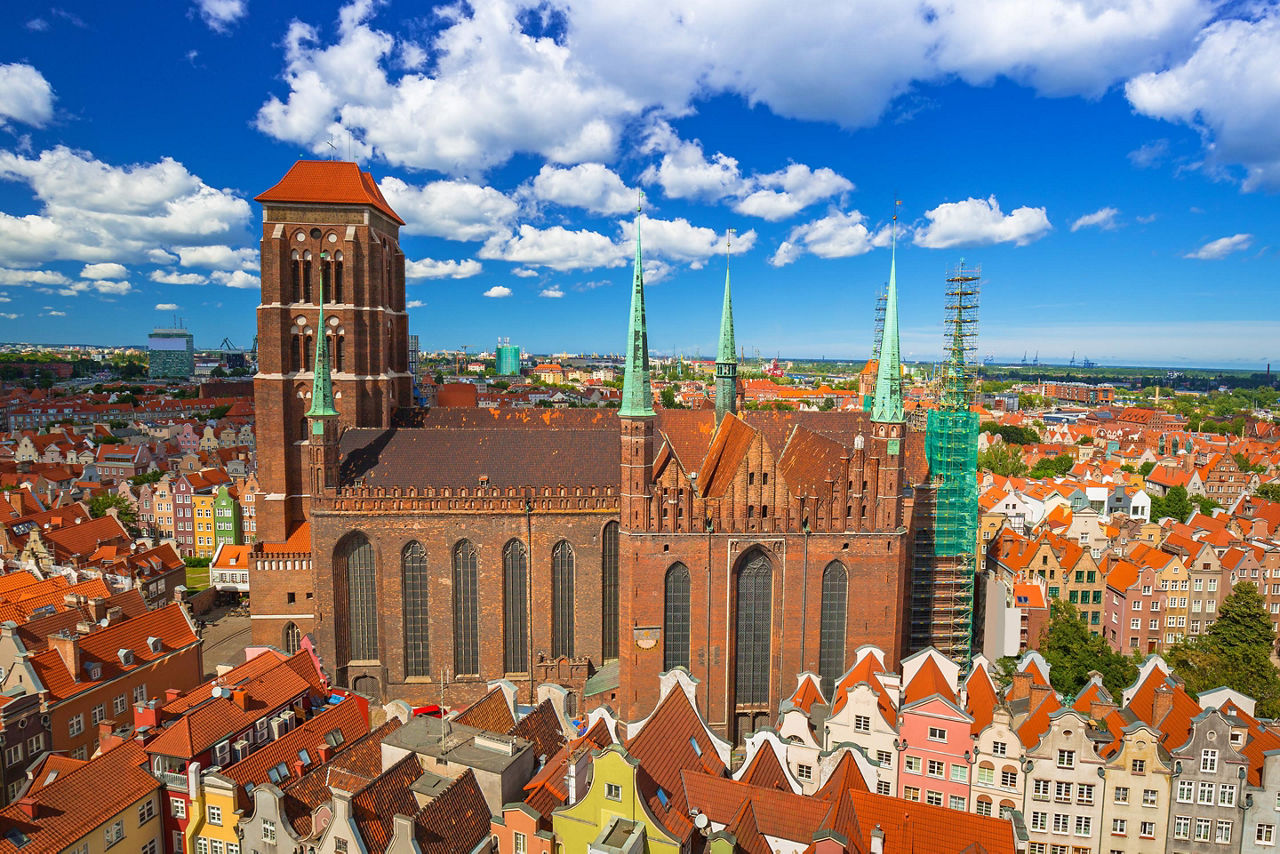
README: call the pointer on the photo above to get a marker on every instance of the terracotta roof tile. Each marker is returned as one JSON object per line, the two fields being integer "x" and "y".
{"x": 980, "y": 699}
{"x": 926, "y": 682}
{"x": 541, "y": 728}
{"x": 490, "y": 713}
{"x": 843, "y": 777}
{"x": 241, "y": 673}
{"x": 911, "y": 827}
{"x": 347, "y": 718}
{"x": 363, "y": 757}
{"x": 456, "y": 820}
{"x": 329, "y": 182}
{"x": 807, "y": 693}
{"x": 765, "y": 771}
{"x": 780, "y": 814}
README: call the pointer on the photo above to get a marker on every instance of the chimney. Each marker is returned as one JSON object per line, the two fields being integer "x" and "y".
{"x": 146, "y": 714}
{"x": 1038, "y": 695}
{"x": 299, "y": 767}
{"x": 171, "y": 694}
{"x": 1099, "y": 710}
{"x": 1162, "y": 705}
{"x": 877, "y": 840}
{"x": 68, "y": 646}
{"x": 114, "y": 615}
{"x": 241, "y": 698}
{"x": 323, "y": 753}
{"x": 1021, "y": 686}
{"x": 98, "y": 608}
{"x": 29, "y": 807}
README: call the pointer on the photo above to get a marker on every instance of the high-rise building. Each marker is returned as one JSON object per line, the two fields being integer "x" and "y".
{"x": 508, "y": 359}
{"x": 171, "y": 353}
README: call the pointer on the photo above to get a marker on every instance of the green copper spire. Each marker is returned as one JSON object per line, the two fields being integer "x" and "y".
{"x": 637, "y": 394}
{"x": 888, "y": 401}
{"x": 726, "y": 358}
{"x": 322, "y": 383}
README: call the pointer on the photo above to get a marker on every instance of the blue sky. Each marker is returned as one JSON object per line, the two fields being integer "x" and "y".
{"x": 1112, "y": 167}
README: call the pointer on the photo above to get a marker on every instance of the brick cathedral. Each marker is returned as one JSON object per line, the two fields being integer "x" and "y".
{"x": 426, "y": 552}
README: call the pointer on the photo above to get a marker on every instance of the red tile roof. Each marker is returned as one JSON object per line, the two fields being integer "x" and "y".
{"x": 777, "y": 813}
{"x": 348, "y": 718}
{"x": 910, "y": 827}
{"x": 490, "y": 712}
{"x": 329, "y": 182}
{"x": 765, "y": 771}
{"x": 241, "y": 673}
{"x": 807, "y": 693}
{"x": 981, "y": 699}
{"x": 926, "y": 682}
{"x": 359, "y": 760}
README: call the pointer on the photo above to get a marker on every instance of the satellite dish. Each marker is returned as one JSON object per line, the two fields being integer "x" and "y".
{"x": 701, "y": 821}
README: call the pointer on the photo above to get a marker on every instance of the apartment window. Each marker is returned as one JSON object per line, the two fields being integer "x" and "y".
{"x": 269, "y": 831}
{"x": 959, "y": 773}
{"x": 937, "y": 733}
{"x": 215, "y": 815}
{"x": 1147, "y": 829}
{"x": 113, "y": 832}
{"x": 178, "y": 807}
{"x": 986, "y": 775}
{"x": 1226, "y": 796}
{"x": 1066, "y": 759}
{"x": 1040, "y": 790}
{"x": 1139, "y": 766}
{"x": 1135, "y": 624}
{"x": 1187, "y": 789}
{"x": 521, "y": 844}
{"x": 1084, "y": 824}
{"x": 1061, "y": 823}
{"x": 883, "y": 787}
{"x": 216, "y": 847}
{"x": 804, "y": 772}
{"x": 956, "y": 802}
{"x": 933, "y": 798}
{"x": 1062, "y": 792}
{"x": 999, "y": 748}
{"x": 1149, "y": 797}
{"x": 1266, "y": 834}
{"x": 152, "y": 847}
{"x": 1009, "y": 778}
{"x": 1121, "y": 794}
{"x": 910, "y": 793}
{"x": 75, "y": 726}
{"x": 140, "y": 693}
{"x": 1204, "y": 830}
{"x": 1040, "y": 821}
{"x": 1224, "y": 832}
{"x": 146, "y": 811}
{"x": 884, "y": 757}
{"x": 935, "y": 768}
{"x": 35, "y": 744}
{"x": 983, "y": 807}
{"x": 13, "y": 755}
{"x": 1119, "y": 827}
{"x": 613, "y": 791}
{"x": 1084, "y": 794}
{"x": 1204, "y": 793}
{"x": 98, "y": 713}
{"x": 912, "y": 765}
{"x": 233, "y": 848}
{"x": 862, "y": 723}
{"x": 1182, "y": 827}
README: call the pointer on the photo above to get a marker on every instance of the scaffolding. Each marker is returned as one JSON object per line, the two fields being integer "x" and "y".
{"x": 877, "y": 332}
{"x": 952, "y": 447}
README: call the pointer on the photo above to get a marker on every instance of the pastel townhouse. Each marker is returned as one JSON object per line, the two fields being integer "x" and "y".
{"x": 934, "y": 733}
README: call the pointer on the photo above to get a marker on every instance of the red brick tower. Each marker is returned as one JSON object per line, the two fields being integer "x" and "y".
{"x": 326, "y": 227}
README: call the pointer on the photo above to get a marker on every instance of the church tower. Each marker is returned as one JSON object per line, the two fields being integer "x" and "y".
{"x": 726, "y": 357}
{"x": 887, "y": 413}
{"x": 636, "y": 411}
{"x": 327, "y": 233}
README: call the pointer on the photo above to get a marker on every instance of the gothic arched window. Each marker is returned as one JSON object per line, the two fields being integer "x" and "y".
{"x": 355, "y": 560}
{"x": 675, "y": 618}
{"x": 413, "y": 590}
{"x": 754, "y": 622}
{"x": 562, "y": 610}
{"x": 466, "y": 645}
{"x": 609, "y": 591}
{"x": 515, "y": 608}
{"x": 833, "y": 623}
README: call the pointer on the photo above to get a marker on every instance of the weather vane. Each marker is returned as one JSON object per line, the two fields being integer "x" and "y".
{"x": 728, "y": 239}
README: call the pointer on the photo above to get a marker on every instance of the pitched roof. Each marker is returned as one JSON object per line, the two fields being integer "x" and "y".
{"x": 911, "y": 827}
{"x": 329, "y": 182}
{"x": 926, "y": 682}
{"x": 360, "y": 760}
{"x": 541, "y": 728}
{"x": 490, "y": 712}
{"x": 73, "y": 804}
{"x": 807, "y": 693}
{"x": 1176, "y": 723}
{"x": 980, "y": 698}
{"x": 347, "y": 718}
{"x": 765, "y": 770}
{"x": 781, "y": 814}
{"x": 241, "y": 673}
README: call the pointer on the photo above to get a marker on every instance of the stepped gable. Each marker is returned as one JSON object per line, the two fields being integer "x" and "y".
{"x": 765, "y": 770}
{"x": 490, "y": 713}
{"x": 457, "y": 448}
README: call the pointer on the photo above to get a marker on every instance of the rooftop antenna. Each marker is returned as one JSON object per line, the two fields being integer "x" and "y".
{"x": 329, "y": 142}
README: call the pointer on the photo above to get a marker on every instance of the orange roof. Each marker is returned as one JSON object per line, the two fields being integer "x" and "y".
{"x": 865, "y": 671}
{"x": 1176, "y": 724}
{"x": 765, "y": 770}
{"x": 1028, "y": 596}
{"x": 299, "y": 542}
{"x": 329, "y": 182}
{"x": 927, "y": 681}
{"x": 490, "y": 713}
{"x": 981, "y": 699}
{"x": 911, "y": 827}
{"x": 1037, "y": 723}
{"x": 807, "y": 693}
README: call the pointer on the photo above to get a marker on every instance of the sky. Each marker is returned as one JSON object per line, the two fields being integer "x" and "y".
{"x": 1111, "y": 166}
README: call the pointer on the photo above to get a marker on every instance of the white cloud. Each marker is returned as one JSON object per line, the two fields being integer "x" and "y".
{"x": 837, "y": 235}
{"x": 105, "y": 270}
{"x": 1104, "y": 218}
{"x": 429, "y": 268}
{"x": 32, "y": 277}
{"x": 498, "y": 292}
{"x": 159, "y": 256}
{"x": 1215, "y": 250}
{"x": 38, "y": 25}
{"x": 93, "y": 212}
{"x": 54, "y": 313}
{"x": 979, "y": 222}
{"x": 236, "y": 279}
{"x": 787, "y": 191}
{"x": 492, "y": 91}
{"x": 8, "y": 315}
{"x": 552, "y": 292}
{"x": 1229, "y": 91}
{"x": 678, "y": 240}
{"x": 110, "y": 288}
{"x": 414, "y": 303}
{"x": 1150, "y": 155}
{"x": 221, "y": 15}
{"x": 172, "y": 277}
{"x": 524, "y": 273}
{"x": 556, "y": 247}
{"x": 218, "y": 257}
{"x": 458, "y": 210}
{"x": 685, "y": 172}
{"x": 25, "y": 96}
{"x": 592, "y": 186}
{"x": 166, "y": 306}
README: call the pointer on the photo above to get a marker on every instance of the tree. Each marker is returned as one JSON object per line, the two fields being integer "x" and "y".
{"x": 99, "y": 505}
{"x": 1146, "y": 468}
{"x": 1204, "y": 504}
{"x": 1268, "y": 491}
{"x": 1175, "y": 504}
{"x": 1072, "y": 651}
{"x": 1004, "y": 460}
{"x": 1235, "y": 652}
{"x": 1052, "y": 466}
{"x": 218, "y": 372}
{"x": 668, "y": 397}
{"x": 1242, "y": 462}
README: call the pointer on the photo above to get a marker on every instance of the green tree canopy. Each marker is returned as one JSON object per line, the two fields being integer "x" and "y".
{"x": 99, "y": 505}
{"x": 1235, "y": 652}
{"x": 1146, "y": 468}
{"x": 1052, "y": 466}
{"x": 1268, "y": 491}
{"x": 1011, "y": 433}
{"x": 1175, "y": 504}
{"x": 1002, "y": 459}
{"x": 1072, "y": 651}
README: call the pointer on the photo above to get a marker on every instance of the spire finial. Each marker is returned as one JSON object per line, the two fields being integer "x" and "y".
{"x": 637, "y": 394}
{"x": 726, "y": 355}
{"x": 888, "y": 400}
{"x": 322, "y": 383}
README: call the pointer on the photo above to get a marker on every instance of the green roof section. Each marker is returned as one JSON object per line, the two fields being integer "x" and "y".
{"x": 637, "y": 393}
{"x": 322, "y": 382}
{"x": 888, "y": 400}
